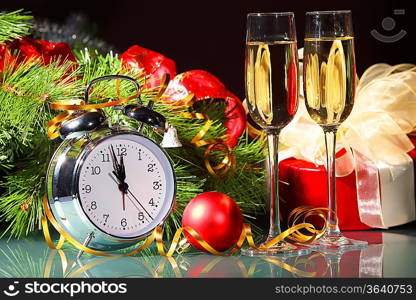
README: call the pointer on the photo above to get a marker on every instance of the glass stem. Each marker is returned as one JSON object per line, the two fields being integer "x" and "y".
{"x": 333, "y": 262}
{"x": 273, "y": 144}
{"x": 330, "y": 142}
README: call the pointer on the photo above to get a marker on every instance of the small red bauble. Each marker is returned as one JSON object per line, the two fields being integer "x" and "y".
{"x": 217, "y": 219}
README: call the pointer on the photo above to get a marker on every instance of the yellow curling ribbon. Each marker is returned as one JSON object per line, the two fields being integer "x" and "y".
{"x": 214, "y": 144}
{"x": 69, "y": 107}
{"x": 301, "y": 214}
{"x": 163, "y": 85}
{"x": 55, "y": 124}
{"x": 172, "y": 263}
{"x": 49, "y": 262}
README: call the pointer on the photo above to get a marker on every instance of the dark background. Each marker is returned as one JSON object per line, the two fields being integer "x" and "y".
{"x": 210, "y": 35}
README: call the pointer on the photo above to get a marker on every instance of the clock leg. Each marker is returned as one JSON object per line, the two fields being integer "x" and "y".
{"x": 85, "y": 244}
{"x": 77, "y": 261}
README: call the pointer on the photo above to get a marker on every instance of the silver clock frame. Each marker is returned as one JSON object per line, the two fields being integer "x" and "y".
{"x": 63, "y": 195}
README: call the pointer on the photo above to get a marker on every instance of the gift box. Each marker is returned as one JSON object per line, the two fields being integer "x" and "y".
{"x": 307, "y": 186}
{"x": 375, "y": 161}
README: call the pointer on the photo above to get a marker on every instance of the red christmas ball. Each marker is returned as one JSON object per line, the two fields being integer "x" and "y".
{"x": 217, "y": 219}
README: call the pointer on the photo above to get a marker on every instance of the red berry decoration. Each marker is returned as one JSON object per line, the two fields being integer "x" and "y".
{"x": 217, "y": 219}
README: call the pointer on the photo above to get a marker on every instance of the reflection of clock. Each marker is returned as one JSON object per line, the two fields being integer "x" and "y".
{"x": 113, "y": 267}
{"x": 113, "y": 185}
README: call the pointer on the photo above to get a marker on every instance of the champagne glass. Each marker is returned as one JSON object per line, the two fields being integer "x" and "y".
{"x": 271, "y": 75}
{"x": 329, "y": 88}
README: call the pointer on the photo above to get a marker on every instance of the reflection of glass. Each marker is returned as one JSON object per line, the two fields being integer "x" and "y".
{"x": 271, "y": 74}
{"x": 329, "y": 88}
{"x": 208, "y": 266}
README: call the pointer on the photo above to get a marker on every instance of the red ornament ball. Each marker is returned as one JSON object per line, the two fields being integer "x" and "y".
{"x": 217, "y": 219}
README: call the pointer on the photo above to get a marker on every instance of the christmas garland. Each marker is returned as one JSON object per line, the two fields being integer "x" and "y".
{"x": 216, "y": 153}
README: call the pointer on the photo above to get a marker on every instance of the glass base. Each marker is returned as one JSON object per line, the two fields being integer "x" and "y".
{"x": 281, "y": 249}
{"x": 336, "y": 242}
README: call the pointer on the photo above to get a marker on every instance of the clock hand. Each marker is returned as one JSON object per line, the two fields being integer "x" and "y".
{"x": 120, "y": 173}
{"x": 122, "y": 187}
{"x": 130, "y": 193}
{"x": 123, "y": 196}
{"x": 116, "y": 175}
{"x": 114, "y": 159}
{"x": 135, "y": 205}
{"x": 117, "y": 181}
{"x": 122, "y": 169}
{"x": 119, "y": 170}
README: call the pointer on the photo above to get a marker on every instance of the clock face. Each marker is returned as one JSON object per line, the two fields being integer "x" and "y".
{"x": 132, "y": 206}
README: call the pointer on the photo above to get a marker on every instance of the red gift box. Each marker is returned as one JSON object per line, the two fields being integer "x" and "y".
{"x": 307, "y": 186}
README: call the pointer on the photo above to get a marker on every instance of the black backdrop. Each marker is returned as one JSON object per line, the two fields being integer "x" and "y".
{"x": 210, "y": 34}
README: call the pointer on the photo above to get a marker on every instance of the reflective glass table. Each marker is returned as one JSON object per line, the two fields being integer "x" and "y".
{"x": 391, "y": 253}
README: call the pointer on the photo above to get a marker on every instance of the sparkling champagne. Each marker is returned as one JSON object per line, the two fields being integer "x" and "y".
{"x": 272, "y": 82}
{"x": 329, "y": 79}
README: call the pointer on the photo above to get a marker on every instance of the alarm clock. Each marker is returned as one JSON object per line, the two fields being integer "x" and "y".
{"x": 107, "y": 186}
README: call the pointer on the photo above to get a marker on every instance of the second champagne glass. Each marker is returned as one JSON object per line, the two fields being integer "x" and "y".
{"x": 329, "y": 82}
{"x": 271, "y": 71}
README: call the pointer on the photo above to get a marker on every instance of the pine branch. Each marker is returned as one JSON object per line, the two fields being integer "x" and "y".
{"x": 14, "y": 25}
{"x": 26, "y": 90}
{"x": 21, "y": 204}
{"x": 249, "y": 174}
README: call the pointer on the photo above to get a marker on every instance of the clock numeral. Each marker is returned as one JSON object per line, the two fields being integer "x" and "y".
{"x": 121, "y": 151}
{"x": 141, "y": 216}
{"x": 106, "y": 216}
{"x": 150, "y": 167}
{"x": 123, "y": 222}
{"x": 151, "y": 202}
{"x": 105, "y": 157}
{"x": 156, "y": 185}
{"x": 95, "y": 170}
{"x": 88, "y": 189}
{"x": 140, "y": 154}
{"x": 93, "y": 205}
